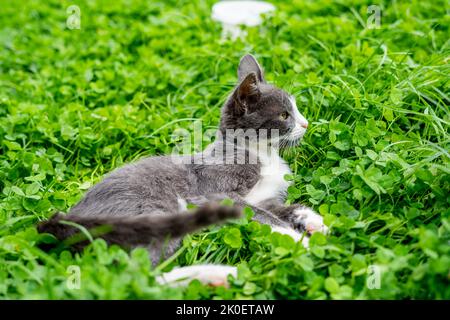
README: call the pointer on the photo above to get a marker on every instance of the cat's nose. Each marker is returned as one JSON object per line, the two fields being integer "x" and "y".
{"x": 304, "y": 125}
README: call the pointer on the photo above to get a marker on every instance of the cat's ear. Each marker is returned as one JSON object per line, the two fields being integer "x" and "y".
{"x": 247, "y": 65}
{"x": 247, "y": 92}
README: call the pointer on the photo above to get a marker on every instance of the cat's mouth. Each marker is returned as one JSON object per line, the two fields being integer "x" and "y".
{"x": 293, "y": 138}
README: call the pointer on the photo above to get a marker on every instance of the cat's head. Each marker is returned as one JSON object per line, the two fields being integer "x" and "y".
{"x": 255, "y": 104}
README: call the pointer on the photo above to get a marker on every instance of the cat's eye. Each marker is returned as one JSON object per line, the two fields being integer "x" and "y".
{"x": 284, "y": 116}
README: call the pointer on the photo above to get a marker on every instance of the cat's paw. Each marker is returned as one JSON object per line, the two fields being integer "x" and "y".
{"x": 305, "y": 219}
{"x": 294, "y": 234}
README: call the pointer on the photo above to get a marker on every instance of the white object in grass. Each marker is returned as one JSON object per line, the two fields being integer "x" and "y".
{"x": 211, "y": 274}
{"x": 233, "y": 14}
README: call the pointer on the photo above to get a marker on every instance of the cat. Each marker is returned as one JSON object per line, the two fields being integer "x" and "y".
{"x": 144, "y": 203}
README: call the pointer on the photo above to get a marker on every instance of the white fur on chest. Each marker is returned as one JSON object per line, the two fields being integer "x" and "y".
{"x": 271, "y": 183}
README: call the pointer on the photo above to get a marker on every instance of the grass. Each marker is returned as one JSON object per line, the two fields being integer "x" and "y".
{"x": 75, "y": 104}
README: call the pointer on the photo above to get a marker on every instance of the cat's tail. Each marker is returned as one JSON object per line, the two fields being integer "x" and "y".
{"x": 75, "y": 230}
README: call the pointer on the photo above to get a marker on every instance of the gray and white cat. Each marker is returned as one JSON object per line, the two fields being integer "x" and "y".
{"x": 144, "y": 203}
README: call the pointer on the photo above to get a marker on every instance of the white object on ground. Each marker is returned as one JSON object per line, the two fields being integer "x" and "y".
{"x": 233, "y": 14}
{"x": 212, "y": 274}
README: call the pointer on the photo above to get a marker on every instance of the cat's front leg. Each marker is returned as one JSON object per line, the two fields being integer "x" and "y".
{"x": 300, "y": 217}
